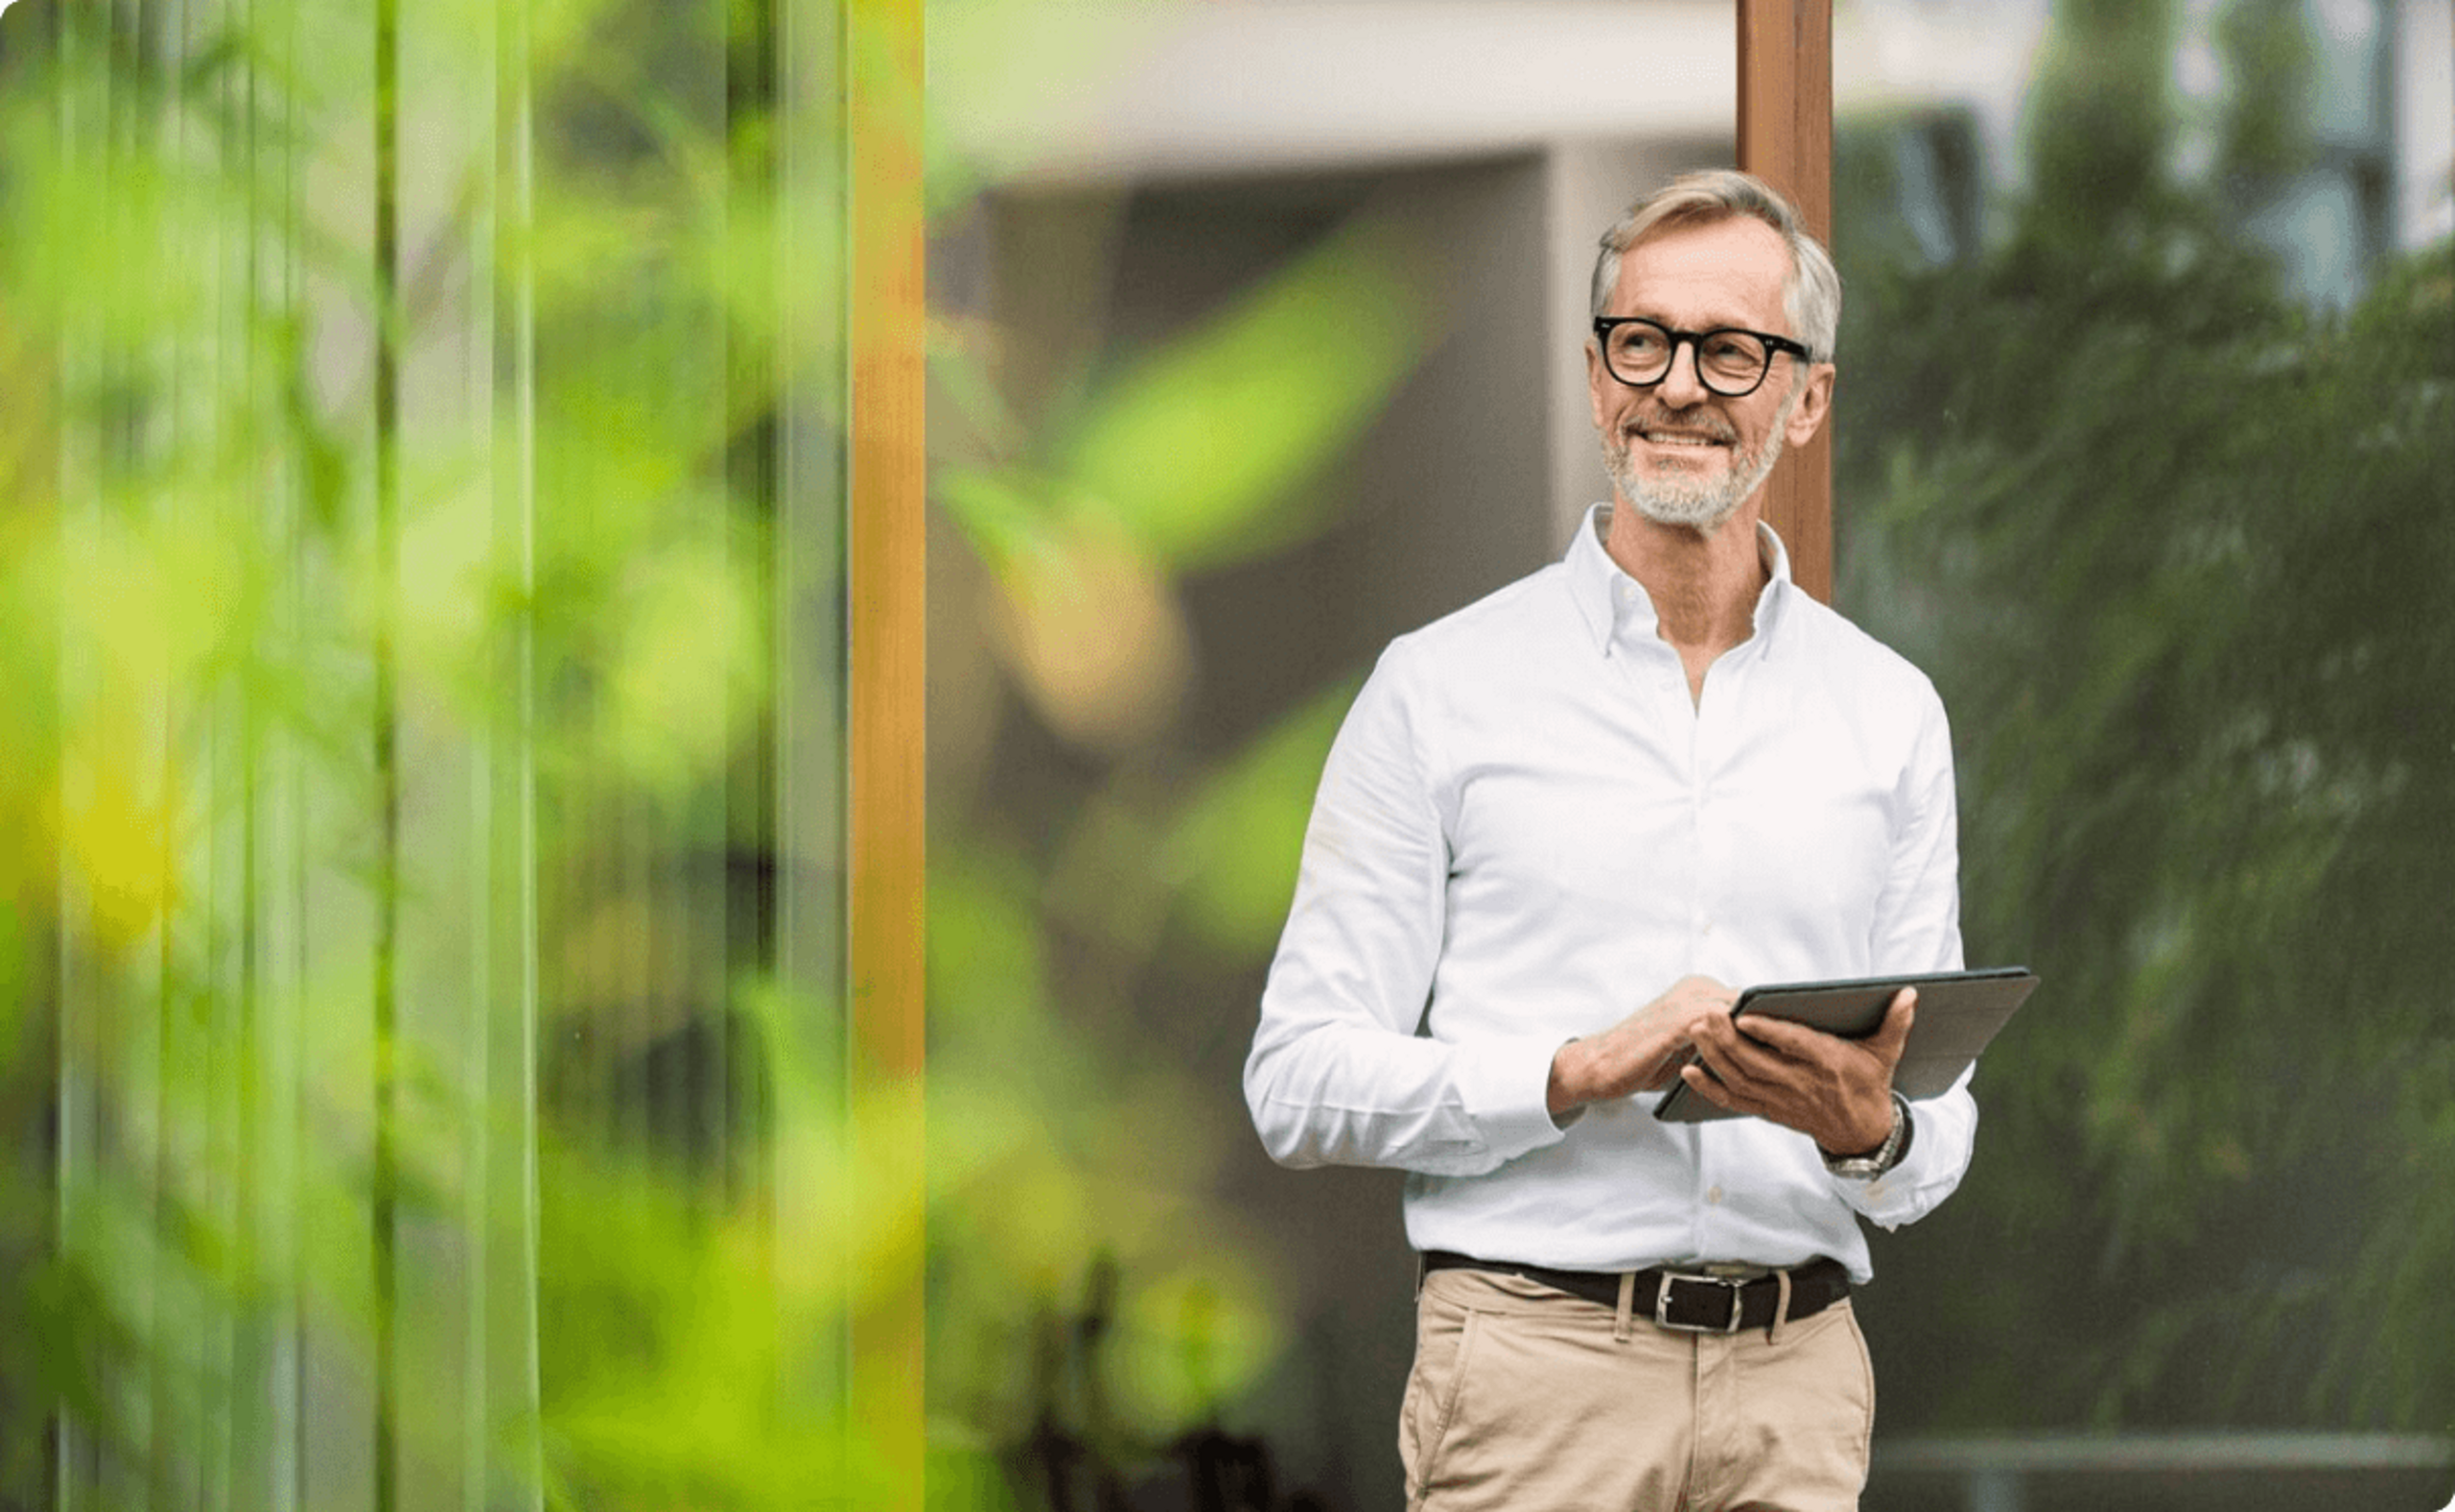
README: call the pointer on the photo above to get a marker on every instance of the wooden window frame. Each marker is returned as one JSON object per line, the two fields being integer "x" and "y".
{"x": 1786, "y": 138}
{"x": 886, "y": 642}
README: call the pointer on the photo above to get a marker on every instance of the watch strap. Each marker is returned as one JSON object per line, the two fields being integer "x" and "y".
{"x": 1886, "y": 1156}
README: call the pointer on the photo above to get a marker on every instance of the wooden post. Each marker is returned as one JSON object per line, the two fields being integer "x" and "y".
{"x": 886, "y": 642}
{"x": 1786, "y": 138}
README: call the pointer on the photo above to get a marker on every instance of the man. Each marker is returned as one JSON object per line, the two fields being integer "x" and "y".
{"x": 1647, "y": 771}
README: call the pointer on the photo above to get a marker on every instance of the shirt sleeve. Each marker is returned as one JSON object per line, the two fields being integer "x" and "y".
{"x": 1340, "y": 1073}
{"x": 1917, "y": 929}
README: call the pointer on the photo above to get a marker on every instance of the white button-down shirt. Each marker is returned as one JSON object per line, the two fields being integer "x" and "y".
{"x": 1526, "y": 830}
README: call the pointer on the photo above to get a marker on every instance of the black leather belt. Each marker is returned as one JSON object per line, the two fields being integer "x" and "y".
{"x": 1689, "y": 1301}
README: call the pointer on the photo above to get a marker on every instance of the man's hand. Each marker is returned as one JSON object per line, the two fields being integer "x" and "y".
{"x": 1836, "y": 1091}
{"x": 1638, "y": 1053}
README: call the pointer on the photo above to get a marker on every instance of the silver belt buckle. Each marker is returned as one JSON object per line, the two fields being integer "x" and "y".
{"x": 1662, "y": 1302}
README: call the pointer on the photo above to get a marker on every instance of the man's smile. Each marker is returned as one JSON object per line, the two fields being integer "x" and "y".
{"x": 1691, "y": 436}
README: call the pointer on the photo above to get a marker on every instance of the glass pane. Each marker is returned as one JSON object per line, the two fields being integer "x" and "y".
{"x": 2143, "y": 452}
{"x": 421, "y": 838}
{"x": 1265, "y": 334}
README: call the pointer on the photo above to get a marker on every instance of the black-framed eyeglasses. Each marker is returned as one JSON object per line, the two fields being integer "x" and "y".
{"x": 1729, "y": 362}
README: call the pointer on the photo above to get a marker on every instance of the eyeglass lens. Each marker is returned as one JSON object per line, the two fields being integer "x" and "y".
{"x": 1730, "y": 362}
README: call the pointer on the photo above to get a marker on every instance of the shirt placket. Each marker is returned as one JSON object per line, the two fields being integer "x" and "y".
{"x": 1711, "y": 736}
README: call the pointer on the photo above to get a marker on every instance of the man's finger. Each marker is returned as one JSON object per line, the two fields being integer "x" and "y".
{"x": 1705, "y": 1084}
{"x": 1727, "y": 1059}
{"x": 1664, "y": 1072}
{"x": 1781, "y": 1035}
{"x": 1893, "y": 1033}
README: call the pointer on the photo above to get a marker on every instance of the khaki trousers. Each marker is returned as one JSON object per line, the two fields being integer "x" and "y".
{"x": 1524, "y": 1399}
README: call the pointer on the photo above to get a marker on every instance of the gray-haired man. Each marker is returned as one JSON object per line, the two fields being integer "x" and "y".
{"x": 1650, "y": 770}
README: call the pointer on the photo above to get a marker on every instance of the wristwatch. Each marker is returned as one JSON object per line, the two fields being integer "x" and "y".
{"x": 1866, "y": 1168}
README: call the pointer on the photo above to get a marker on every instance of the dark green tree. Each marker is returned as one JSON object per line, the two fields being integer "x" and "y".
{"x": 2175, "y": 547}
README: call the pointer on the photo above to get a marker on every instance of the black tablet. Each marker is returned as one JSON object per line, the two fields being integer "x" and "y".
{"x": 1958, "y": 1012}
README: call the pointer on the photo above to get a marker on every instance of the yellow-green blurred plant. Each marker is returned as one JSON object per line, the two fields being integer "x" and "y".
{"x": 384, "y": 598}
{"x": 406, "y": 1104}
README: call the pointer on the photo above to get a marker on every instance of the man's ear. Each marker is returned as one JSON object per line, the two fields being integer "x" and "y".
{"x": 1597, "y": 376}
{"x": 1813, "y": 405}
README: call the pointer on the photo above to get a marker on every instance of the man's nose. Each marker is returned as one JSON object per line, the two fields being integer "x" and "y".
{"x": 1682, "y": 386}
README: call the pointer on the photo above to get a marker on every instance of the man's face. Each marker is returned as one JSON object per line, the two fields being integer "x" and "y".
{"x": 1678, "y": 452}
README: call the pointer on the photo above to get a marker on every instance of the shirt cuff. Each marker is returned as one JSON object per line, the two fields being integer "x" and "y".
{"x": 1506, "y": 1085}
{"x": 1897, "y": 1196}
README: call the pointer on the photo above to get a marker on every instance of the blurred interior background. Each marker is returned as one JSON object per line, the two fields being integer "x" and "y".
{"x": 423, "y": 596}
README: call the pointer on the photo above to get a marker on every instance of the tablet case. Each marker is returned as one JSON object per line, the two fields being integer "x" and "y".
{"x": 1958, "y": 1013}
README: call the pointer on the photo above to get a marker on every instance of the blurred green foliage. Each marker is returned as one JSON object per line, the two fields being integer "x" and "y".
{"x": 2175, "y": 546}
{"x": 406, "y": 1107}
{"x": 301, "y": 738}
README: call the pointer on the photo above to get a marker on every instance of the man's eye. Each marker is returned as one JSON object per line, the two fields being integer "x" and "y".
{"x": 1730, "y": 351}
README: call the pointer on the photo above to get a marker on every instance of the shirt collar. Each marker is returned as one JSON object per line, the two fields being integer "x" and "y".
{"x": 1612, "y": 603}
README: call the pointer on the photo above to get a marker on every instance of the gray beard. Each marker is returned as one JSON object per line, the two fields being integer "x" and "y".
{"x": 1700, "y": 503}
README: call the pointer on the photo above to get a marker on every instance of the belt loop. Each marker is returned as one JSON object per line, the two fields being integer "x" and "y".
{"x": 1620, "y": 1328}
{"x": 1781, "y": 1308}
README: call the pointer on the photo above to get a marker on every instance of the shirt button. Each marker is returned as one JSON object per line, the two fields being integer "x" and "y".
{"x": 1713, "y": 1195}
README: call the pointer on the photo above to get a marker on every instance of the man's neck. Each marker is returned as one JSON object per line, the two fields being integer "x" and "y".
{"x": 1704, "y": 587}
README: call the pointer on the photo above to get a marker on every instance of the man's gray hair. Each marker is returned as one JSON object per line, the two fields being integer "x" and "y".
{"x": 1812, "y": 293}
